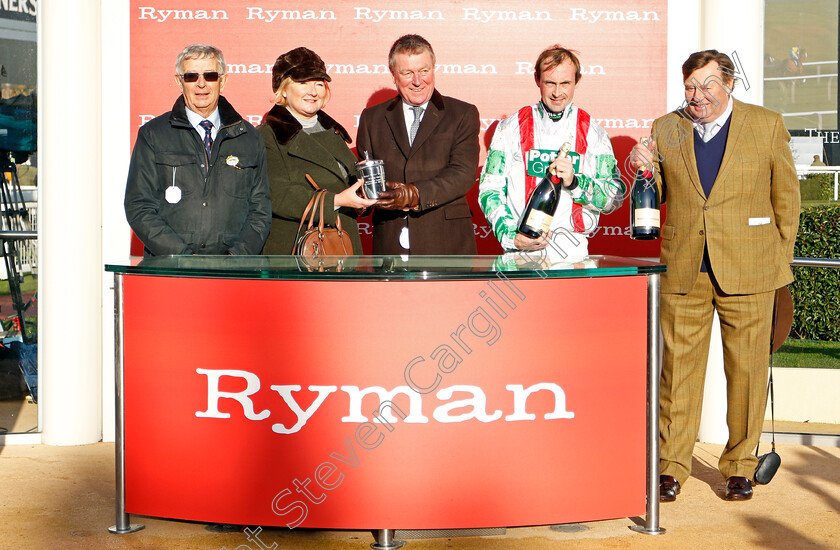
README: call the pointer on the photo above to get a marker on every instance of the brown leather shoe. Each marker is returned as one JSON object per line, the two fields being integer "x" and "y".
{"x": 669, "y": 488}
{"x": 738, "y": 488}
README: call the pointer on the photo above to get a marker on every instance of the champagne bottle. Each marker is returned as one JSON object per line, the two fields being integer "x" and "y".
{"x": 542, "y": 204}
{"x": 644, "y": 206}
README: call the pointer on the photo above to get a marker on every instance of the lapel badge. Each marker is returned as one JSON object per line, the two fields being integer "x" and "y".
{"x": 232, "y": 161}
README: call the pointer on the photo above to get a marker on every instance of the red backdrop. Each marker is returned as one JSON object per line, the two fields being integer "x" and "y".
{"x": 485, "y": 51}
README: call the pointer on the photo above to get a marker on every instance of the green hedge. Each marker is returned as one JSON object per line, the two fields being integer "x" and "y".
{"x": 816, "y": 290}
{"x": 817, "y": 187}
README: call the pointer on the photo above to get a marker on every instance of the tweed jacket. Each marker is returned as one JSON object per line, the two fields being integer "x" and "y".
{"x": 292, "y": 153}
{"x": 750, "y": 218}
{"x": 443, "y": 164}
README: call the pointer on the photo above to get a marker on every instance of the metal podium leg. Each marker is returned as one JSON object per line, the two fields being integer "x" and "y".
{"x": 651, "y": 526}
{"x": 123, "y": 525}
{"x": 385, "y": 540}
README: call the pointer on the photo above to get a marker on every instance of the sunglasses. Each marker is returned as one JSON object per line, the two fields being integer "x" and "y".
{"x": 209, "y": 76}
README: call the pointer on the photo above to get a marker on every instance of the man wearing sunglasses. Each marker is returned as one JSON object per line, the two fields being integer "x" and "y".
{"x": 197, "y": 183}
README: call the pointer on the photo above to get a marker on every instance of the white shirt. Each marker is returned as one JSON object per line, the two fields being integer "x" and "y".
{"x": 717, "y": 123}
{"x": 409, "y": 114}
{"x": 196, "y": 119}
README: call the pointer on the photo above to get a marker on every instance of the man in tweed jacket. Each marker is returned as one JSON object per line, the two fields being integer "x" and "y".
{"x": 726, "y": 171}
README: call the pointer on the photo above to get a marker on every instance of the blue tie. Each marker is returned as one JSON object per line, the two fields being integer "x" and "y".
{"x": 208, "y": 137}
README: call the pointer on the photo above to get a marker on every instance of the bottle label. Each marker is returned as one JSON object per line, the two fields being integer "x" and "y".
{"x": 539, "y": 220}
{"x": 646, "y": 217}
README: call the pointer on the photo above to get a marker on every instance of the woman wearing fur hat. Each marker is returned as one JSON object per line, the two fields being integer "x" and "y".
{"x": 301, "y": 139}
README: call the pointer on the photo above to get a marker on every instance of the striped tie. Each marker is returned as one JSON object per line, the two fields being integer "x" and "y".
{"x": 208, "y": 136}
{"x": 412, "y": 133}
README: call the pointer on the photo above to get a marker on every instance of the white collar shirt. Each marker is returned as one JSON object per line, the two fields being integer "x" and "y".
{"x": 717, "y": 123}
{"x": 196, "y": 119}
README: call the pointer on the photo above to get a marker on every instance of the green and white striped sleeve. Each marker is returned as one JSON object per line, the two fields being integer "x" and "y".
{"x": 600, "y": 187}
{"x": 492, "y": 196}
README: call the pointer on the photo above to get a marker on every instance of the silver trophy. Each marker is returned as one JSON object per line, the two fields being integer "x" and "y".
{"x": 372, "y": 173}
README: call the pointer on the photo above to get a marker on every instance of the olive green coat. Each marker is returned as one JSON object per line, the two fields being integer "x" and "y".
{"x": 291, "y": 154}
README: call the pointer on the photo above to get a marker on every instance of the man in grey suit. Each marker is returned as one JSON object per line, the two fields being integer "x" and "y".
{"x": 429, "y": 144}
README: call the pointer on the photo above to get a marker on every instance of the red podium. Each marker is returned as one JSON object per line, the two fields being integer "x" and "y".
{"x": 425, "y": 393}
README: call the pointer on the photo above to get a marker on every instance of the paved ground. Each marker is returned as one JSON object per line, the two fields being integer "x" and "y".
{"x": 63, "y": 497}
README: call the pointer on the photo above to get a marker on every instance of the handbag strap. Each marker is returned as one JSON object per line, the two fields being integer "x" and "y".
{"x": 319, "y": 202}
{"x": 315, "y": 185}
{"x": 322, "y": 199}
{"x": 321, "y": 213}
{"x": 306, "y": 211}
{"x": 310, "y": 211}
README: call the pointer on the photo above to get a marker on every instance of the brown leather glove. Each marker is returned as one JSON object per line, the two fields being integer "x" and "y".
{"x": 400, "y": 196}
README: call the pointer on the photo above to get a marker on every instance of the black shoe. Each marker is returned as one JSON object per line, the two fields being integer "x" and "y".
{"x": 669, "y": 488}
{"x": 738, "y": 488}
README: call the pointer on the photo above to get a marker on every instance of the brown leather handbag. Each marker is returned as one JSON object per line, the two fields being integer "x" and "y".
{"x": 321, "y": 247}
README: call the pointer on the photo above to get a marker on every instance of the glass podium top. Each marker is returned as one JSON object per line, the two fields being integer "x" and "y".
{"x": 514, "y": 265}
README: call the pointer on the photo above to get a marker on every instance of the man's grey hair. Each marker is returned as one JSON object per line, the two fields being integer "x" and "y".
{"x": 410, "y": 44}
{"x": 200, "y": 51}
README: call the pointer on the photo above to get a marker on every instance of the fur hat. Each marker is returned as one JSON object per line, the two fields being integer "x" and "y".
{"x": 301, "y": 65}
